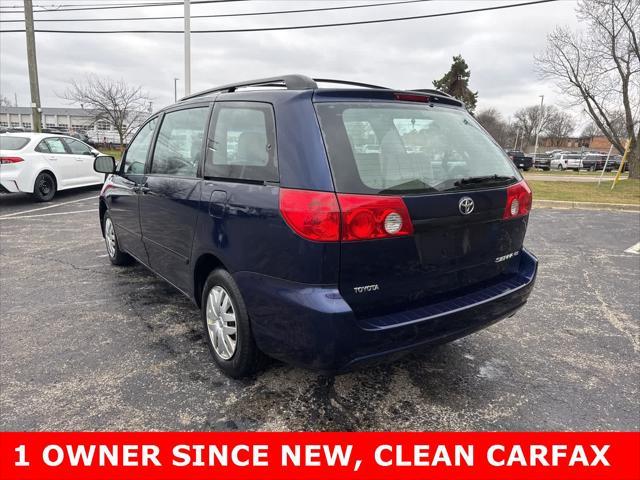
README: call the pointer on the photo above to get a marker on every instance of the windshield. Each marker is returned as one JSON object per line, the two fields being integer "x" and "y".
{"x": 8, "y": 142}
{"x": 390, "y": 148}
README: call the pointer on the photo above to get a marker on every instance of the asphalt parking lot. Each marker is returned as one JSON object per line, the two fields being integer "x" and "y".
{"x": 88, "y": 346}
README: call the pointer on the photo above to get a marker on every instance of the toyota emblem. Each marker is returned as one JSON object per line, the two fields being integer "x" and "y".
{"x": 466, "y": 205}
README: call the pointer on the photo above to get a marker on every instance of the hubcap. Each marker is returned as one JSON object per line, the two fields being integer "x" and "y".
{"x": 221, "y": 322}
{"x": 110, "y": 237}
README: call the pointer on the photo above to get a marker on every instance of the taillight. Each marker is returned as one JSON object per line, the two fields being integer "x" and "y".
{"x": 312, "y": 215}
{"x": 366, "y": 217}
{"x": 411, "y": 97}
{"x": 519, "y": 199}
{"x": 325, "y": 217}
{"x": 4, "y": 160}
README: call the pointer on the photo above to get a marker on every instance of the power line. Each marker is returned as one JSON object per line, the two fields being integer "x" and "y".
{"x": 297, "y": 27}
{"x": 137, "y": 5}
{"x": 220, "y": 15}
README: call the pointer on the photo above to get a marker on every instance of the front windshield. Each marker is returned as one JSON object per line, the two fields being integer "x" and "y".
{"x": 394, "y": 148}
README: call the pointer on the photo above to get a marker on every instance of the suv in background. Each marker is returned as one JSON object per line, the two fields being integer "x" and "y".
{"x": 264, "y": 202}
{"x": 566, "y": 161}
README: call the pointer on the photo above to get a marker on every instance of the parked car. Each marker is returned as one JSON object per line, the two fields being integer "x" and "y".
{"x": 83, "y": 137}
{"x": 42, "y": 164}
{"x": 259, "y": 205}
{"x": 543, "y": 161}
{"x": 566, "y": 161}
{"x": 520, "y": 160}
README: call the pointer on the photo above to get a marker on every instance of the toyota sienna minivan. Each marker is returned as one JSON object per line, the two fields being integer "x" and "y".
{"x": 325, "y": 227}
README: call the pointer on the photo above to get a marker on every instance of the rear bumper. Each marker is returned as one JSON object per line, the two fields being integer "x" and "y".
{"x": 312, "y": 326}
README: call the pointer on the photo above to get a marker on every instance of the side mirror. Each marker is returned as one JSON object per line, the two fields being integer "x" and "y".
{"x": 104, "y": 164}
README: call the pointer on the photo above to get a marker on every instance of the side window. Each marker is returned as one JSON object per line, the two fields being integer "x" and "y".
{"x": 136, "y": 156}
{"x": 55, "y": 145}
{"x": 178, "y": 150}
{"x": 242, "y": 142}
{"x": 77, "y": 147}
{"x": 42, "y": 147}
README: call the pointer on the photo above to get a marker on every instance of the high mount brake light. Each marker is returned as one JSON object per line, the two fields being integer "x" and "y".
{"x": 4, "y": 160}
{"x": 327, "y": 217}
{"x": 519, "y": 198}
{"x": 412, "y": 97}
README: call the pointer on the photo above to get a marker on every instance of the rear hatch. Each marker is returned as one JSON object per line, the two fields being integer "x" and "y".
{"x": 449, "y": 185}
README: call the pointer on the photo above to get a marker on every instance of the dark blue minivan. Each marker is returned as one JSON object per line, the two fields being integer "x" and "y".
{"x": 325, "y": 227}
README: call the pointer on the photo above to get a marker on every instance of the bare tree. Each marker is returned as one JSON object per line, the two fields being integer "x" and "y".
{"x": 532, "y": 120}
{"x": 123, "y": 105}
{"x": 599, "y": 69}
{"x": 559, "y": 126}
{"x": 491, "y": 120}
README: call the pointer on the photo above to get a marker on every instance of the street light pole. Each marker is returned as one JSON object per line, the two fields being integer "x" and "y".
{"x": 175, "y": 89}
{"x": 36, "y": 120}
{"x": 187, "y": 47}
{"x": 535, "y": 150}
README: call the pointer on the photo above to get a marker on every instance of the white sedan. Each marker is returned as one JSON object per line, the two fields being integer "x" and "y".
{"x": 43, "y": 163}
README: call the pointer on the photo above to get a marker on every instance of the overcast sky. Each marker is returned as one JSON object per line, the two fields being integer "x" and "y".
{"x": 498, "y": 46}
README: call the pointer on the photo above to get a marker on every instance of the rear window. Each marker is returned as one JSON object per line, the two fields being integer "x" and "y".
{"x": 378, "y": 148}
{"x": 12, "y": 143}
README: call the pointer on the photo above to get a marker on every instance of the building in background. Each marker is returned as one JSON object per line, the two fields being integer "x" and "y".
{"x": 68, "y": 119}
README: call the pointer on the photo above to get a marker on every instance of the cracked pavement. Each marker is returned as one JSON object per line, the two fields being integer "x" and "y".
{"x": 88, "y": 346}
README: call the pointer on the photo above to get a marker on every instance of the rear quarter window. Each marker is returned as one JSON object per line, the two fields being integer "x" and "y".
{"x": 8, "y": 142}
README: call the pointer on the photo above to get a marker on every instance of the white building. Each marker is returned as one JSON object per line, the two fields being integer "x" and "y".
{"x": 68, "y": 119}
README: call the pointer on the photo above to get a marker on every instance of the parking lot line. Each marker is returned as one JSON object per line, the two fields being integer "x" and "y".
{"x": 634, "y": 249}
{"x": 47, "y": 207}
{"x": 46, "y": 214}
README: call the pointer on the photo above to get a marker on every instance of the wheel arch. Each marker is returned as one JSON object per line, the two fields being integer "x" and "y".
{"x": 204, "y": 265}
{"x": 45, "y": 170}
{"x": 102, "y": 210}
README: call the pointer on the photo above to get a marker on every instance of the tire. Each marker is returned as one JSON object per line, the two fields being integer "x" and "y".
{"x": 235, "y": 352}
{"x": 44, "y": 188}
{"x": 546, "y": 169}
{"x": 116, "y": 256}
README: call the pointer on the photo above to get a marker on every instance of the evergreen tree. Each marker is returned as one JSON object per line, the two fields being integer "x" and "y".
{"x": 456, "y": 83}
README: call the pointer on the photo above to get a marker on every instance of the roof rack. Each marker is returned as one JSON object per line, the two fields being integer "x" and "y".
{"x": 290, "y": 82}
{"x": 347, "y": 82}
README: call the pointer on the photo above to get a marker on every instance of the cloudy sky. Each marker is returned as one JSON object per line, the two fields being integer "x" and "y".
{"x": 498, "y": 46}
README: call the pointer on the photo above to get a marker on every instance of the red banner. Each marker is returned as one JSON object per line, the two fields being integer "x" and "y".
{"x": 300, "y": 456}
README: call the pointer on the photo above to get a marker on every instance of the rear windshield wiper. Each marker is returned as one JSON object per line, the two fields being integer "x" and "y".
{"x": 483, "y": 179}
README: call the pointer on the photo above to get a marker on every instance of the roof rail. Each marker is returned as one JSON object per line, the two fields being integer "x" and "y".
{"x": 347, "y": 82}
{"x": 290, "y": 82}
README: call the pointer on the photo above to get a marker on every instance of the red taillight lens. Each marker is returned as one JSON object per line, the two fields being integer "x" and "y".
{"x": 325, "y": 217}
{"x": 411, "y": 97}
{"x": 519, "y": 199}
{"x": 4, "y": 160}
{"x": 365, "y": 217}
{"x": 312, "y": 215}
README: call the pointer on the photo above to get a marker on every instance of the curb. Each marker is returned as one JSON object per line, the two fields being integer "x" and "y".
{"x": 627, "y": 207}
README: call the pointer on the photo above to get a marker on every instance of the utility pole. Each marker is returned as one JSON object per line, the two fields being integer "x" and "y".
{"x": 36, "y": 120}
{"x": 515, "y": 145}
{"x": 175, "y": 89}
{"x": 187, "y": 47}
{"x": 535, "y": 150}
